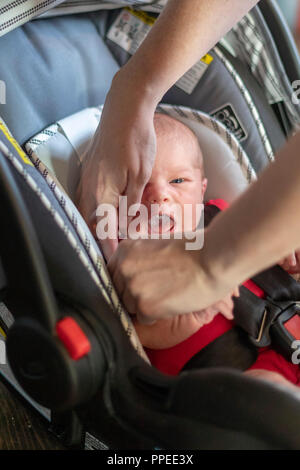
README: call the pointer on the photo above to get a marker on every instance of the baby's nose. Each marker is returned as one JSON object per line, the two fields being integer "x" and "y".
{"x": 155, "y": 194}
{"x": 158, "y": 199}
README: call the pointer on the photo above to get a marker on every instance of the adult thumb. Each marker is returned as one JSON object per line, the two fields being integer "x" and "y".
{"x": 106, "y": 223}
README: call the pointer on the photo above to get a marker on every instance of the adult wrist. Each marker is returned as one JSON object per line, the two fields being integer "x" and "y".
{"x": 137, "y": 85}
{"x": 217, "y": 265}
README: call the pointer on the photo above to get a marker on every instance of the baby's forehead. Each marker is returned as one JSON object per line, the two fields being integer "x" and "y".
{"x": 167, "y": 125}
{"x": 172, "y": 131}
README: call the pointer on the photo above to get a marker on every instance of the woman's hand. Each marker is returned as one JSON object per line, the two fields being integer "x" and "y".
{"x": 121, "y": 156}
{"x": 160, "y": 278}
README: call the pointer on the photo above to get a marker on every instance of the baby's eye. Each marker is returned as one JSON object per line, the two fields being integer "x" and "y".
{"x": 177, "y": 180}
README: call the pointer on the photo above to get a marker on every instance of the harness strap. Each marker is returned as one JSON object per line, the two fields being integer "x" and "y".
{"x": 232, "y": 349}
{"x": 278, "y": 285}
{"x": 250, "y": 322}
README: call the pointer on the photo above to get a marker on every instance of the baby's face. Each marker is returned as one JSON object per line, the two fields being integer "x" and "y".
{"x": 176, "y": 184}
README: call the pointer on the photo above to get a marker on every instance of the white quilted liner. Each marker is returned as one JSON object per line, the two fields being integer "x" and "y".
{"x": 57, "y": 153}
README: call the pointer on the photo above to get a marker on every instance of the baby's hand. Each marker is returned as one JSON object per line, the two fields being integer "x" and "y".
{"x": 168, "y": 332}
{"x": 224, "y": 306}
{"x": 291, "y": 263}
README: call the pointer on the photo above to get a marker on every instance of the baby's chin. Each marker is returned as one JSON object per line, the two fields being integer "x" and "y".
{"x": 162, "y": 223}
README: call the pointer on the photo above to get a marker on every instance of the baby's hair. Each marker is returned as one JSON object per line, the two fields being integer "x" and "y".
{"x": 163, "y": 122}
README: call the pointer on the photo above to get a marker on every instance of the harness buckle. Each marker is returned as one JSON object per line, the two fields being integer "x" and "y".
{"x": 285, "y": 330}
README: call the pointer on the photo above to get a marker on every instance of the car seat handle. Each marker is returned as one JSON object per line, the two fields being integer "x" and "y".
{"x": 22, "y": 256}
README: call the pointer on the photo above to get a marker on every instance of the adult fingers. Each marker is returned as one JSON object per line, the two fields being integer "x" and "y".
{"x": 108, "y": 248}
{"x": 128, "y": 301}
{"x": 134, "y": 194}
{"x": 106, "y": 220}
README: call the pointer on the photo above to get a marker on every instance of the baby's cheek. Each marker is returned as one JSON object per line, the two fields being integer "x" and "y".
{"x": 191, "y": 212}
{"x": 191, "y": 202}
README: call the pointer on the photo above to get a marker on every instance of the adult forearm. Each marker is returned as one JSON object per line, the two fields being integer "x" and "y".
{"x": 184, "y": 32}
{"x": 262, "y": 226}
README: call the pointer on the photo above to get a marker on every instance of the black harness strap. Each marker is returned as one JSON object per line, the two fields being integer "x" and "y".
{"x": 278, "y": 285}
{"x": 232, "y": 349}
{"x": 257, "y": 320}
{"x": 250, "y": 322}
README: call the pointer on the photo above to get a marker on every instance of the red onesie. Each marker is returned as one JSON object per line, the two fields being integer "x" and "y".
{"x": 172, "y": 360}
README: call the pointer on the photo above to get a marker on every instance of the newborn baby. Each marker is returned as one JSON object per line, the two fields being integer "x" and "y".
{"x": 178, "y": 178}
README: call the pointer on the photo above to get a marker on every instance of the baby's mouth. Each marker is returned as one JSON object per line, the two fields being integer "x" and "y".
{"x": 161, "y": 223}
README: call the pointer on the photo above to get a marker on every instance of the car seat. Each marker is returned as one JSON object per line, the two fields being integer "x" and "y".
{"x": 65, "y": 341}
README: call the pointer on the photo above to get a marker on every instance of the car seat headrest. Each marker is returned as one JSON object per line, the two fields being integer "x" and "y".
{"x": 62, "y": 147}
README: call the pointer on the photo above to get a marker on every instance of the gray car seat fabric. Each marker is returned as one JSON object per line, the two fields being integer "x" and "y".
{"x": 226, "y": 96}
{"x": 53, "y": 68}
{"x": 57, "y": 66}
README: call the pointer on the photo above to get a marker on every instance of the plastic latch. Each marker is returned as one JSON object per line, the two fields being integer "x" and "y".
{"x": 73, "y": 338}
{"x": 285, "y": 330}
{"x": 293, "y": 326}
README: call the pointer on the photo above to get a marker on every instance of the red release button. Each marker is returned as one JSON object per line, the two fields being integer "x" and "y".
{"x": 72, "y": 336}
{"x": 293, "y": 326}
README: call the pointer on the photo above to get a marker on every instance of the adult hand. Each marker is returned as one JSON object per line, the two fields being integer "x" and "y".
{"x": 121, "y": 156}
{"x": 160, "y": 278}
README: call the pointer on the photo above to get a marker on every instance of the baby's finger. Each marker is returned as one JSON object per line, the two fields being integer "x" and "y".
{"x": 226, "y": 308}
{"x": 291, "y": 259}
{"x": 206, "y": 316}
{"x": 210, "y": 311}
{"x": 288, "y": 262}
{"x": 236, "y": 292}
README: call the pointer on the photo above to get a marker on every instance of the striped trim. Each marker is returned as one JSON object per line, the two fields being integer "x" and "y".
{"x": 252, "y": 48}
{"x": 11, "y": 5}
{"x": 74, "y": 6}
{"x": 91, "y": 257}
{"x": 18, "y": 12}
